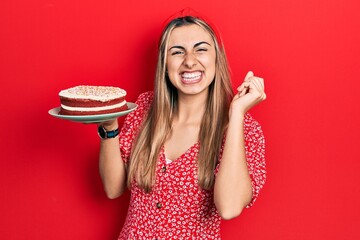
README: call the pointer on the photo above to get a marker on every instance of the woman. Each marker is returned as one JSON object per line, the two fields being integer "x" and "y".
{"x": 190, "y": 152}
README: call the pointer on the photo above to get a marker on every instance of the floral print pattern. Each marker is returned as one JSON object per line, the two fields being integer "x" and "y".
{"x": 177, "y": 208}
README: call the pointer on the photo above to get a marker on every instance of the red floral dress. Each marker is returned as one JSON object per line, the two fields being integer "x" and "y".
{"x": 177, "y": 208}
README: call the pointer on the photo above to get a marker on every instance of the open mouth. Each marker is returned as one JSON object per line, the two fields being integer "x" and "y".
{"x": 191, "y": 77}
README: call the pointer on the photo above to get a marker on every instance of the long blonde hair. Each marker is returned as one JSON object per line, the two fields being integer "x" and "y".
{"x": 158, "y": 121}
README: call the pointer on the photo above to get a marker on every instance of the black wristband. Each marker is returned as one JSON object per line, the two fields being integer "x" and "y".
{"x": 104, "y": 134}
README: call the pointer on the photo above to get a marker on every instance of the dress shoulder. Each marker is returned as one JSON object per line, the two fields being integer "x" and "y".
{"x": 133, "y": 122}
{"x": 255, "y": 155}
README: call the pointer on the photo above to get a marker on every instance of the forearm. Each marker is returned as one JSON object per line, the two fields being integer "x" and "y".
{"x": 112, "y": 168}
{"x": 233, "y": 190}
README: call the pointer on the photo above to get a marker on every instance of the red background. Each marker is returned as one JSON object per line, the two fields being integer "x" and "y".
{"x": 307, "y": 51}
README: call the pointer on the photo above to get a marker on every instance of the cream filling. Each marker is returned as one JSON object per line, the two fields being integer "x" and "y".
{"x": 90, "y": 109}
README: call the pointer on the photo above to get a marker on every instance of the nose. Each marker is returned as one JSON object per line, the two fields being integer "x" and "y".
{"x": 190, "y": 60}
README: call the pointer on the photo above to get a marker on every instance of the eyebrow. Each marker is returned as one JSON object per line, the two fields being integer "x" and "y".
{"x": 195, "y": 45}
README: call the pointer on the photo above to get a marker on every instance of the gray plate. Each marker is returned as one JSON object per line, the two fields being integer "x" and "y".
{"x": 92, "y": 118}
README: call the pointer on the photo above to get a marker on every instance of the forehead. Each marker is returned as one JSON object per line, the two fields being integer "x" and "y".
{"x": 189, "y": 35}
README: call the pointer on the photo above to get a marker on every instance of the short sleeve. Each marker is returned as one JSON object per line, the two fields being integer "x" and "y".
{"x": 255, "y": 155}
{"x": 132, "y": 124}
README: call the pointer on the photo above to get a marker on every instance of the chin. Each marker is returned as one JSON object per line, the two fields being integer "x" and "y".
{"x": 194, "y": 91}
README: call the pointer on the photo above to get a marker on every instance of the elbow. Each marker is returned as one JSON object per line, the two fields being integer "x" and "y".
{"x": 228, "y": 214}
{"x": 113, "y": 188}
{"x": 113, "y": 194}
{"x": 231, "y": 211}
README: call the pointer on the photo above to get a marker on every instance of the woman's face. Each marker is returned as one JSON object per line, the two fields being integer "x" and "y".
{"x": 191, "y": 59}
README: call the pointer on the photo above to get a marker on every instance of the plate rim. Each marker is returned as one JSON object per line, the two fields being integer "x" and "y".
{"x": 92, "y": 118}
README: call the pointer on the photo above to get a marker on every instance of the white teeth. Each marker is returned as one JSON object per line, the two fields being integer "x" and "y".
{"x": 191, "y": 75}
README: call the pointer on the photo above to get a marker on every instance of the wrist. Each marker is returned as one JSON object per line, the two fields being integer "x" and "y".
{"x": 105, "y": 133}
{"x": 236, "y": 116}
{"x": 109, "y": 125}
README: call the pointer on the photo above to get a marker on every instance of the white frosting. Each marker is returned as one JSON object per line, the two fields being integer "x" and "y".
{"x": 98, "y": 93}
{"x": 90, "y": 109}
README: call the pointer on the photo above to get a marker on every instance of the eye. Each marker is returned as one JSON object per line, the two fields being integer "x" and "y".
{"x": 201, "y": 50}
{"x": 177, "y": 53}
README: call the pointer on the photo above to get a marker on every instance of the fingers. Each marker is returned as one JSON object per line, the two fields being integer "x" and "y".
{"x": 250, "y": 93}
{"x": 243, "y": 88}
{"x": 249, "y": 75}
{"x": 258, "y": 83}
{"x": 251, "y": 83}
{"x": 246, "y": 84}
{"x": 109, "y": 124}
{"x": 257, "y": 87}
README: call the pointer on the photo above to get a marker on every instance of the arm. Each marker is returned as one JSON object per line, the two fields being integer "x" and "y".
{"x": 111, "y": 166}
{"x": 115, "y": 153}
{"x": 233, "y": 187}
{"x": 233, "y": 190}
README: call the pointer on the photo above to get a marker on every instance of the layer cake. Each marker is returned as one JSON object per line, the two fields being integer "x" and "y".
{"x": 92, "y": 100}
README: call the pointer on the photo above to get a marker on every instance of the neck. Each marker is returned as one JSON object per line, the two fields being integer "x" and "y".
{"x": 191, "y": 107}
